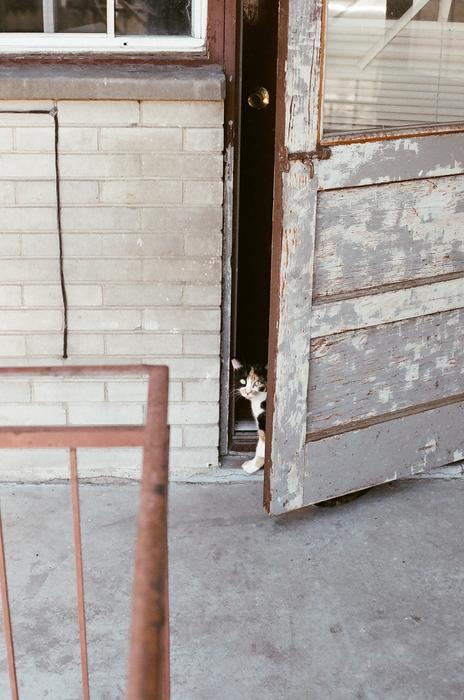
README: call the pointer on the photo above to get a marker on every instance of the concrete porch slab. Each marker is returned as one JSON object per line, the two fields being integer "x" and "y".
{"x": 361, "y": 601}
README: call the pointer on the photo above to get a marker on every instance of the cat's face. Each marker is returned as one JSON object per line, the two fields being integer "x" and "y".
{"x": 252, "y": 380}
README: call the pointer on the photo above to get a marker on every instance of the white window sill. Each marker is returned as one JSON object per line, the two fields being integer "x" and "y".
{"x": 101, "y": 43}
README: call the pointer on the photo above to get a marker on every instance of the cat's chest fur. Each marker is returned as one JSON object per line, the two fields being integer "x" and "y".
{"x": 258, "y": 406}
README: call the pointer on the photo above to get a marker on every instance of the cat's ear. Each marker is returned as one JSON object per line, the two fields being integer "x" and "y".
{"x": 236, "y": 364}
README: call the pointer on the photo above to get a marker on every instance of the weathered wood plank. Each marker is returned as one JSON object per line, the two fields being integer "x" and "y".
{"x": 374, "y": 162}
{"x": 387, "y": 307}
{"x": 291, "y": 380}
{"x": 293, "y": 241}
{"x": 371, "y": 236}
{"x": 384, "y": 452}
{"x": 361, "y": 374}
{"x": 302, "y": 75}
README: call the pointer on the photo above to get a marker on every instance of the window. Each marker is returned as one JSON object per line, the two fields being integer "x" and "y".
{"x": 393, "y": 64}
{"x": 127, "y": 25}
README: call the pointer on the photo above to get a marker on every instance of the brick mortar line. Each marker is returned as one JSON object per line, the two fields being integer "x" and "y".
{"x": 116, "y": 178}
{"x": 111, "y": 152}
{"x": 93, "y": 177}
{"x": 117, "y": 205}
{"x": 109, "y": 205}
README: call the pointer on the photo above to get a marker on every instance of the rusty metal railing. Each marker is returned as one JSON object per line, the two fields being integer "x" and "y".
{"x": 148, "y": 677}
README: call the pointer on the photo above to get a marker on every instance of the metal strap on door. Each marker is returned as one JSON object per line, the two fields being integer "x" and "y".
{"x": 306, "y": 157}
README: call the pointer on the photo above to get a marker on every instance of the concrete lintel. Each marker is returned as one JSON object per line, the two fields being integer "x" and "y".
{"x": 127, "y": 82}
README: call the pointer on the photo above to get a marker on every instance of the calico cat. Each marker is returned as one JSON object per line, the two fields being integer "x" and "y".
{"x": 253, "y": 386}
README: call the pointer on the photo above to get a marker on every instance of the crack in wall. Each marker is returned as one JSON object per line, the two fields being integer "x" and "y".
{"x": 54, "y": 114}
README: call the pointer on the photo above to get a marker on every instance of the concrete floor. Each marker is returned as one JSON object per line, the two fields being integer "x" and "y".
{"x": 361, "y": 601}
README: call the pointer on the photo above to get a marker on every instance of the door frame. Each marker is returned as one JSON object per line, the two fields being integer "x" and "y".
{"x": 232, "y": 38}
{"x": 230, "y": 454}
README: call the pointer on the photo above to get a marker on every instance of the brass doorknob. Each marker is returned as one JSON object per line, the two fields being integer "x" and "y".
{"x": 259, "y": 98}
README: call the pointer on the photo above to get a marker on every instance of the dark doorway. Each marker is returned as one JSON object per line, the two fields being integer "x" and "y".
{"x": 256, "y": 172}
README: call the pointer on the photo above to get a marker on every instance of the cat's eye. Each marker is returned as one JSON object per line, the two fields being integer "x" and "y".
{"x": 242, "y": 381}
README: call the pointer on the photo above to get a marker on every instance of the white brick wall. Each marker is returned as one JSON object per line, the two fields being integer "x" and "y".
{"x": 141, "y": 189}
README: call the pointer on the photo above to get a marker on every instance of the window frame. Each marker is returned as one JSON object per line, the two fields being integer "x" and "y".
{"x": 381, "y": 134}
{"x": 107, "y": 42}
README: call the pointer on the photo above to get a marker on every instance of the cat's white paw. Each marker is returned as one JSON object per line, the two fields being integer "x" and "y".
{"x": 252, "y": 465}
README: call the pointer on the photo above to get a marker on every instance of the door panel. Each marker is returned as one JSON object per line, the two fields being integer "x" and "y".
{"x": 368, "y": 237}
{"x": 370, "y": 373}
{"x": 373, "y": 162}
{"x": 383, "y": 452}
{"x": 387, "y": 307}
{"x": 366, "y": 375}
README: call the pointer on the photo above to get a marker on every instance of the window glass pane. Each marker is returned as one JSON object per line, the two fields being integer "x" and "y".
{"x": 53, "y": 15}
{"x": 393, "y": 64}
{"x": 21, "y": 16}
{"x": 147, "y": 17}
{"x": 80, "y": 15}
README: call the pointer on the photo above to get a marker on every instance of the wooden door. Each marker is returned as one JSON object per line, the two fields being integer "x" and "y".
{"x": 367, "y": 293}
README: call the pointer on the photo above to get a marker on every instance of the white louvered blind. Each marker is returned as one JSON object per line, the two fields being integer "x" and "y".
{"x": 417, "y": 78}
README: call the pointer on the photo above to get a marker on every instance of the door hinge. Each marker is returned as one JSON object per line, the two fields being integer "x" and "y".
{"x": 306, "y": 157}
